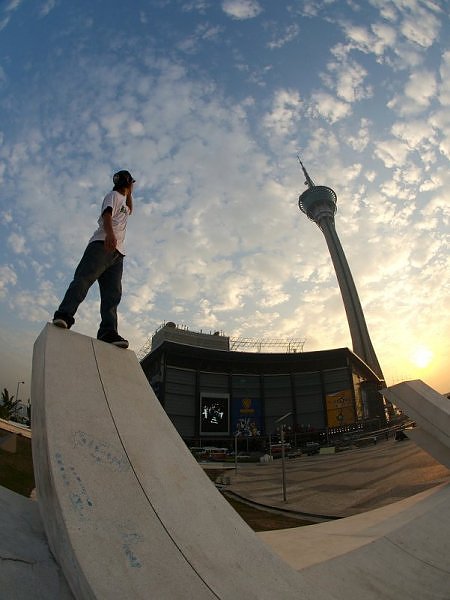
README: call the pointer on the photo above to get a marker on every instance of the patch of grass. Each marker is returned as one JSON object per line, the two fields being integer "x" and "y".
{"x": 16, "y": 470}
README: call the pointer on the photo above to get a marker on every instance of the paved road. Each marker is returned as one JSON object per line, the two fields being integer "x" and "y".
{"x": 343, "y": 484}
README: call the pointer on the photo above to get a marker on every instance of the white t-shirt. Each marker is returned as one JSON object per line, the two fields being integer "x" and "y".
{"x": 120, "y": 211}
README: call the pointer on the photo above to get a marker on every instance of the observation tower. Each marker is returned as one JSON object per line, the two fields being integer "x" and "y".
{"x": 318, "y": 203}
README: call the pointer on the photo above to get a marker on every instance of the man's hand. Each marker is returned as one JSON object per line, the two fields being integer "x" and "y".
{"x": 110, "y": 238}
{"x": 129, "y": 200}
{"x": 110, "y": 242}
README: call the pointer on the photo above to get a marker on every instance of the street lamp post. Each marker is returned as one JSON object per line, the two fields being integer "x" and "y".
{"x": 283, "y": 460}
{"x": 17, "y": 398}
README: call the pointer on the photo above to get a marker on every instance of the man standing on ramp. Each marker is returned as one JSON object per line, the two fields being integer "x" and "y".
{"x": 102, "y": 261}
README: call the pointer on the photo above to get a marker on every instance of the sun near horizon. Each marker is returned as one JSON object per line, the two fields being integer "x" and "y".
{"x": 420, "y": 360}
{"x": 421, "y": 356}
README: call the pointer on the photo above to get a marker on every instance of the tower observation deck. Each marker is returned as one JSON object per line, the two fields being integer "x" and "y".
{"x": 319, "y": 204}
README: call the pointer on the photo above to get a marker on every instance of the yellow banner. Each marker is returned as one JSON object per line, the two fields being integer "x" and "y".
{"x": 340, "y": 408}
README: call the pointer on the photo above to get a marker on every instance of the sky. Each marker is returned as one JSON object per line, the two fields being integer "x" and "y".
{"x": 208, "y": 103}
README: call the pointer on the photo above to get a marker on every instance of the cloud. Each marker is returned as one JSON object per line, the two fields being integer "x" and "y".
{"x": 241, "y": 9}
{"x": 419, "y": 91}
{"x": 8, "y": 9}
{"x": 196, "y": 5}
{"x": 327, "y": 106}
{"x": 385, "y": 38}
{"x": 281, "y": 39}
{"x": 399, "y": 38}
{"x": 438, "y": 208}
{"x": 415, "y": 132}
{"x": 421, "y": 87}
{"x": 419, "y": 22}
{"x": 444, "y": 85}
{"x": 359, "y": 36}
{"x": 6, "y": 217}
{"x": 47, "y": 7}
{"x": 13, "y": 5}
{"x": 33, "y": 305}
{"x": 360, "y": 141}
{"x": 272, "y": 295}
{"x": 17, "y": 243}
{"x": 203, "y": 32}
{"x": 349, "y": 80}
{"x": 285, "y": 112}
{"x": 8, "y": 278}
{"x": 392, "y": 152}
{"x": 420, "y": 25}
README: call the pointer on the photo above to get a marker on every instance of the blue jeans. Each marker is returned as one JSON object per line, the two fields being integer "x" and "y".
{"x": 99, "y": 265}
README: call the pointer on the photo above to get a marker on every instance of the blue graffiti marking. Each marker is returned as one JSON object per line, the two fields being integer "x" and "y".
{"x": 77, "y": 493}
{"x": 130, "y": 539}
{"x": 102, "y": 452}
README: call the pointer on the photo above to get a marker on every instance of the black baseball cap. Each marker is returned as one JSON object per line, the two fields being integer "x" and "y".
{"x": 123, "y": 178}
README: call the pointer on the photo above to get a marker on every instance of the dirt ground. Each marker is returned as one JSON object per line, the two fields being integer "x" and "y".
{"x": 16, "y": 470}
{"x": 257, "y": 519}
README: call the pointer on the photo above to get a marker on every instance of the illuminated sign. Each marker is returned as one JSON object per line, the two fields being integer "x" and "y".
{"x": 340, "y": 408}
{"x": 246, "y": 419}
{"x": 214, "y": 414}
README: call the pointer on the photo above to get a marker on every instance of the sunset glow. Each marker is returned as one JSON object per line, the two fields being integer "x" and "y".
{"x": 421, "y": 357}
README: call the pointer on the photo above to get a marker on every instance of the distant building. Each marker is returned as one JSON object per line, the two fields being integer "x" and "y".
{"x": 171, "y": 333}
{"x": 211, "y": 392}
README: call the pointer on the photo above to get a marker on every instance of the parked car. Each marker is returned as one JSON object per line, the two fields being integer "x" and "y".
{"x": 312, "y": 448}
{"x": 276, "y": 448}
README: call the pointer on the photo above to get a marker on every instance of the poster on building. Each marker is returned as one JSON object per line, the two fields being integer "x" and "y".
{"x": 340, "y": 408}
{"x": 214, "y": 414}
{"x": 246, "y": 417}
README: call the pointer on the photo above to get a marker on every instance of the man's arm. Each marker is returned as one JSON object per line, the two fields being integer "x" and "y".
{"x": 110, "y": 238}
{"x": 129, "y": 201}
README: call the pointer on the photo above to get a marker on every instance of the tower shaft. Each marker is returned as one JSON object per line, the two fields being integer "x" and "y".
{"x": 319, "y": 205}
{"x": 362, "y": 344}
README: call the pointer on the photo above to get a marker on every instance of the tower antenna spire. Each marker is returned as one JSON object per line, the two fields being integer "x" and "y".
{"x": 309, "y": 182}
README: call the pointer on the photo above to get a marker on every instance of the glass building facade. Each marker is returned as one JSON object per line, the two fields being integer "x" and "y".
{"x": 210, "y": 393}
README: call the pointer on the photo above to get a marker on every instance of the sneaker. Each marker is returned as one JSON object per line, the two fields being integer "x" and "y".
{"x": 112, "y": 337}
{"x": 60, "y": 323}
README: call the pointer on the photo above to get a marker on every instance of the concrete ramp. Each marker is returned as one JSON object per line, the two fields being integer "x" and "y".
{"x": 430, "y": 410}
{"x": 127, "y": 511}
{"x": 129, "y": 514}
{"x": 397, "y": 551}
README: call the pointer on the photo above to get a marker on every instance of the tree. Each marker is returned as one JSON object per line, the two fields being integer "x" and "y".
{"x": 8, "y": 406}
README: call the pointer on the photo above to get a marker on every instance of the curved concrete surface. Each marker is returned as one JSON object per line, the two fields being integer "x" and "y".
{"x": 127, "y": 510}
{"x": 430, "y": 410}
{"x": 397, "y": 551}
{"x": 129, "y": 514}
{"x": 400, "y": 550}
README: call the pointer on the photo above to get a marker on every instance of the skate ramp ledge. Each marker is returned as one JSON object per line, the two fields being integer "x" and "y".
{"x": 127, "y": 511}
{"x": 130, "y": 514}
{"x": 431, "y": 412}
